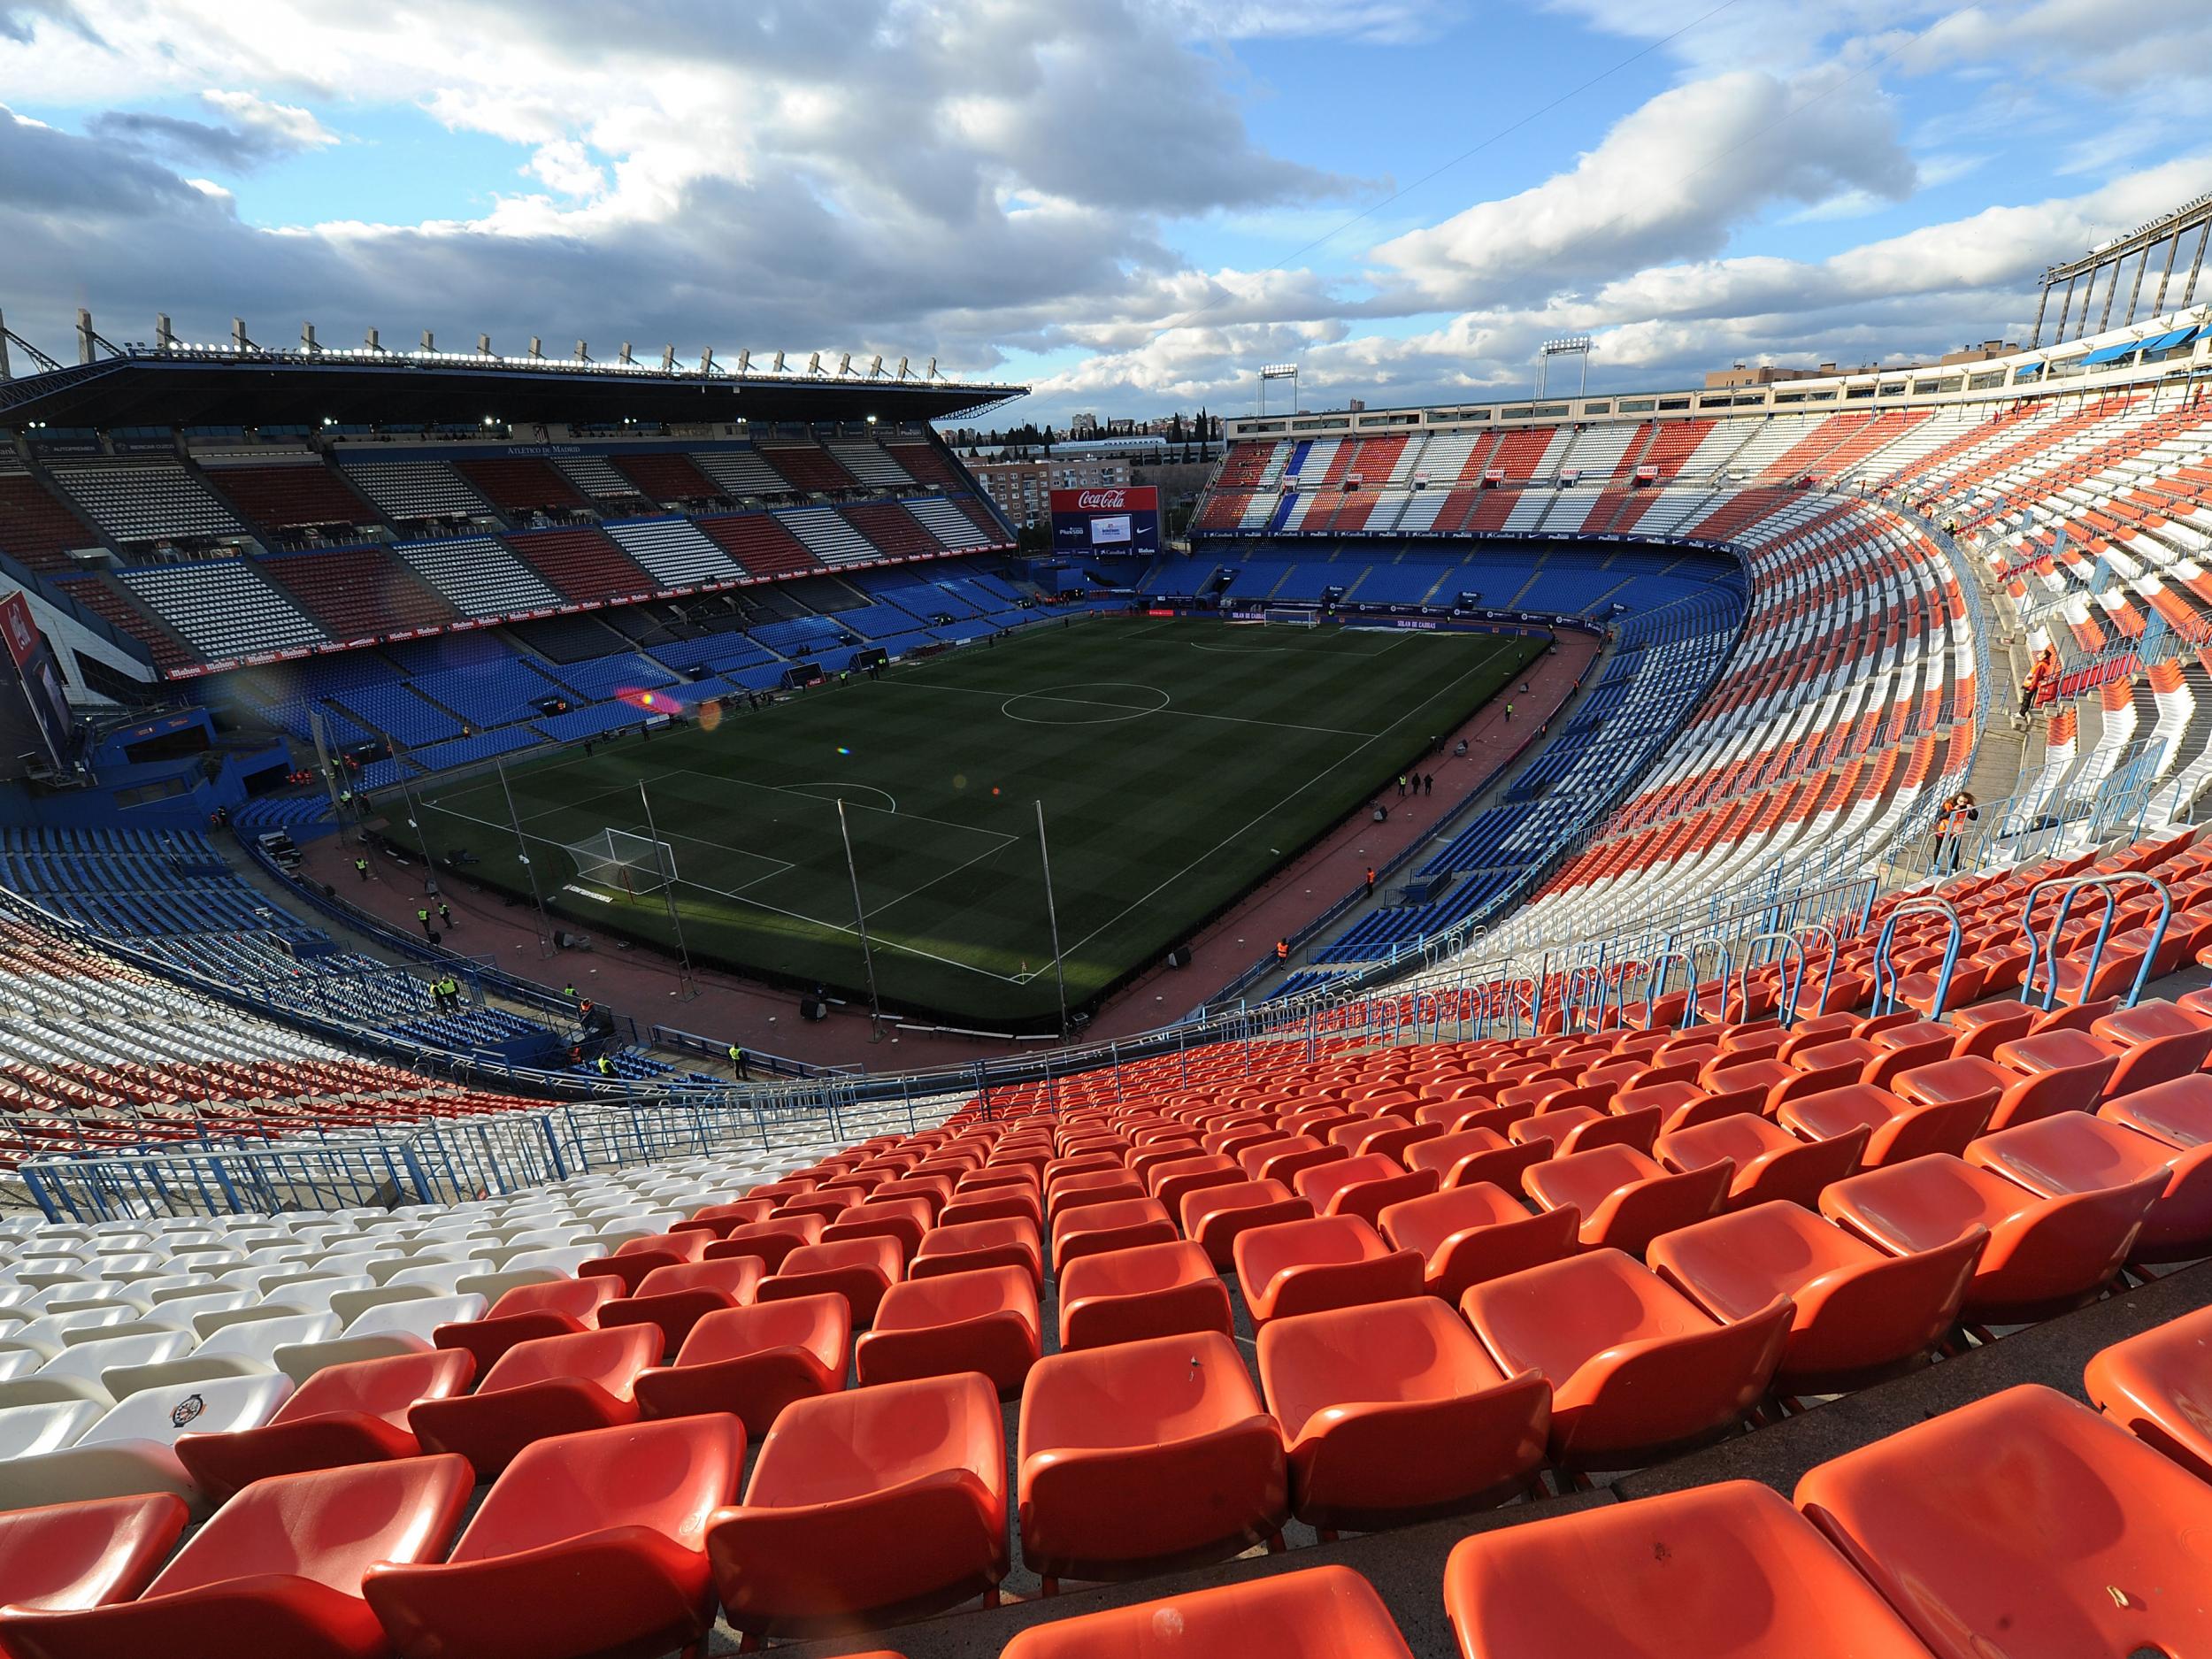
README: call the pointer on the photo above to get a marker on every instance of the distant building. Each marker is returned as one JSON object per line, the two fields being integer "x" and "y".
{"x": 1023, "y": 487}
{"x": 1982, "y": 353}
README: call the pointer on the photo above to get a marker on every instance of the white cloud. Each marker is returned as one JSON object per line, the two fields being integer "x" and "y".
{"x": 283, "y": 124}
{"x": 1670, "y": 180}
{"x": 567, "y": 166}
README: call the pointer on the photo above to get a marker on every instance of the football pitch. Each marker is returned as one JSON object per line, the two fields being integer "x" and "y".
{"x": 1178, "y": 763}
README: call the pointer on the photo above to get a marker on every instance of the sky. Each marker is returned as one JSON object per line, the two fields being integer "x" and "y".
{"x": 1126, "y": 206}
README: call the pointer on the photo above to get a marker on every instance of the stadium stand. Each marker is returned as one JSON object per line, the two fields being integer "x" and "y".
{"x": 35, "y": 529}
{"x": 411, "y": 491}
{"x": 359, "y": 593}
{"x": 675, "y": 552}
{"x": 225, "y": 609}
{"x": 478, "y": 576}
{"x": 286, "y": 493}
{"x": 522, "y": 484}
{"x": 585, "y": 565}
{"x": 145, "y": 500}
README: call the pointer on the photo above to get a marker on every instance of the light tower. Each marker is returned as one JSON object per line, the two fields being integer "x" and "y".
{"x": 1279, "y": 371}
{"x": 1575, "y": 346}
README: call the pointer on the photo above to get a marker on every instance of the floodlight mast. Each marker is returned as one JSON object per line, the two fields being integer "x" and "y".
{"x": 1279, "y": 371}
{"x": 1573, "y": 346}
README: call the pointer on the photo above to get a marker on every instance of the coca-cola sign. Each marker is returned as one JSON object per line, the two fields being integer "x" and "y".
{"x": 1102, "y": 501}
{"x": 1106, "y": 520}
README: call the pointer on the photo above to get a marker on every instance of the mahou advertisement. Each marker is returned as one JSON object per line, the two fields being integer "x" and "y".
{"x": 1124, "y": 520}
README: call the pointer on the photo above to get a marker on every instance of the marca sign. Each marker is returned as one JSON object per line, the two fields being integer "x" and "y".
{"x": 1107, "y": 521}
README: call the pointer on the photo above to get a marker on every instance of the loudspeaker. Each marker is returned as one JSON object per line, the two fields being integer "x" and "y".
{"x": 813, "y": 1008}
{"x": 1179, "y": 957}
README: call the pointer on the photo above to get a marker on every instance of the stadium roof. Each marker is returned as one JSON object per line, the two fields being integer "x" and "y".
{"x": 200, "y": 387}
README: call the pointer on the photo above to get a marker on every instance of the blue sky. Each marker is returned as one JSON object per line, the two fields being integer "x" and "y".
{"x": 1128, "y": 204}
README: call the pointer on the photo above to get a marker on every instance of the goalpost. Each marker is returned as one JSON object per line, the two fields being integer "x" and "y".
{"x": 1289, "y": 616}
{"x": 621, "y": 859}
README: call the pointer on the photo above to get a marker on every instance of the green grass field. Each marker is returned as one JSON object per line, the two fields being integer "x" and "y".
{"x": 1178, "y": 763}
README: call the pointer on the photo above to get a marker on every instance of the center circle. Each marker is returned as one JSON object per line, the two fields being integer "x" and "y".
{"x": 1068, "y": 705}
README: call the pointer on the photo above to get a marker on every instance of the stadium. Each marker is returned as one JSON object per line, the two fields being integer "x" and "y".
{"x": 638, "y": 1022}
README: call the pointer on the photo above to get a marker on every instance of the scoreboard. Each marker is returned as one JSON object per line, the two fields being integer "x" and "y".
{"x": 1125, "y": 521}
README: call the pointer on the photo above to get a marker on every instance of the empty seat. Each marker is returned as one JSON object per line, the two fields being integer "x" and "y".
{"x": 1146, "y": 1455}
{"x": 1091, "y": 1229}
{"x": 2158, "y": 1386}
{"x": 1322, "y": 1613}
{"x": 2044, "y": 1255}
{"x": 278, "y": 1570}
{"x": 1636, "y": 1368}
{"x": 1466, "y": 1234}
{"x": 1725, "y": 1572}
{"x": 1931, "y": 1108}
{"x": 589, "y": 1544}
{"x": 986, "y": 1321}
{"x": 2074, "y": 1153}
{"x": 1008, "y": 1241}
{"x": 1392, "y": 1412}
{"x": 1149, "y": 1290}
{"x": 866, "y": 1506}
{"x": 1769, "y": 1162}
{"x": 859, "y": 1269}
{"x": 1362, "y": 1186}
{"x": 674, "y": 1298}
{"x": 131, "y": 1448}
{"x": 1626, "y": 1199}
{"x": 753, "y": 1362}
{"x": 2023, "y": 1524}
{"x": 344, "y": 1414}
{"x": 1859, "y": 1311}
{"x": 1215, "y": 1217}
{"x": 1325, "y": 1261}
{"x": 559, "y": 1307}
{"x": 69, "y": 1555}
{"x": 552, "y": 1384}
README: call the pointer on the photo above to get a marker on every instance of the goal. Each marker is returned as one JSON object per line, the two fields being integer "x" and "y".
{"x": 623, "y": 859}
{"x": 1289, "y": 618}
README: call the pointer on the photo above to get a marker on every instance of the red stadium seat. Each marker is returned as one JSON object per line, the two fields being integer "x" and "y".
{"x": 867, "y": 1506}
{"x": 1143, "y": 1455}
{"x": 278, "y": 1570}
{"x": 1362, "y": 1186}
{"x": 2178, "y": 1112}
{"x": 1637, "y": 1369}
{"x": 1010, "y": 1241}
{"x": 558, "y": 1307}
{"x": 2025, "y": 1526}
{"x": 1322, "y": 1613}
{"x": 2058, "y": 1071}
{"x": 719, "y": 1218}
{"x": 1769, "y": 1162}
{"x": 1861, "y": 1313}
{"x": 70, "y": 1555}
{"x": 2158, "y": 1041}
{"x": 2044, "y": 1256}
{"x": 2158, "y": 1386}
{"x": 1933, "y": 1109}
{"x": 1392, "y": 1412}
{"x": 1168, "y": 1181}
{"x": 1215, "y": 1217}
{"x": 354, "y": 1413}
{"x": 771, "y": 1241}
{"x": 622, "y": 1510}
{"x": 1727, "y": 1569}
{"x": 1624, "y": 1199}
{"x": 904, "y": 1220}
{"x": 1326, "y": 1262}
{"x": 555, "y": 1385}
{"x": 1116, "y": 1225}
{"x": 675, "y": 1298}
{"x": 1148, "y": 1290}
{"x": 753, "y": 1362}
{"x": 859, "y": 1270}
{"x": 2075, "y": 1153}
{"x": 634, "y": 1259}
{"x": 1466, "y": 1234}
{"x": 1470, "y": 1155}
{"x": 983, "y": 1321}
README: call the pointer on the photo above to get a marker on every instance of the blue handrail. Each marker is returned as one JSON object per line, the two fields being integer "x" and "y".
{"x": 1885, "y": 977}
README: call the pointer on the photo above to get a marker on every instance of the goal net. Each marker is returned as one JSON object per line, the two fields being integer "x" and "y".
{"x": 620, "y": 858}
{"x": 1296, "y": 618}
